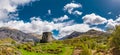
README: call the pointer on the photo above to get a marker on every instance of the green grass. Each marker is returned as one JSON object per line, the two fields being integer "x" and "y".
{"x": 64, "y": 47}
{"x": 49, "y": 49}
{"x": 67, "y": 51}
{"x": 24, "y": 52}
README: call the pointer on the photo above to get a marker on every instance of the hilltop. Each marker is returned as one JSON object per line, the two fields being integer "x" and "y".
{"x": 90, "y": 33}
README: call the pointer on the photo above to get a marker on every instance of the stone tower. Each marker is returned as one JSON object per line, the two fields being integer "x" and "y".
{"x": 47, "y": 37}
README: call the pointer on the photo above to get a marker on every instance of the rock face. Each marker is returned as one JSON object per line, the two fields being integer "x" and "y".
{"x": 47, "y": 37}
{"x": 17, "y": 35}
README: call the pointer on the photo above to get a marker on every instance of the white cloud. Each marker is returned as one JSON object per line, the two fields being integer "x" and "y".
{"x": 36, "y": 25}
{"x": 99, "y": 29}
{"x": 94, "y": 19}
{"x": 35, "y": 18}
{"x": 112, "y": 23}
{"x": 109, "y": 13}
{"x": 77, "y": 13}
{"x": 65, "y": 17}
{"x": 71, "y": 6}
{"x": 70, "y": 29}
{"x": 49, "y": 12}
{"x": 3, "y": 14}
{"x": 60, "y": 25}
{"x": 8, "y": 6}
{"x": 21, "y": 2}
{"x": 117, "y": 20}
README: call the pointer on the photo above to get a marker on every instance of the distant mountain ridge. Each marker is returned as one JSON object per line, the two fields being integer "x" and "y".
{"x": 91, "y": 33}
{"x": 17, "y": 35}
{"x": 20, "y": 36}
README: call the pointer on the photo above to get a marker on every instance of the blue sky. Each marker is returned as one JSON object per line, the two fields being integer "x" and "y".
{"x": 40, "y": 9}
{"x": 61, "y": 17}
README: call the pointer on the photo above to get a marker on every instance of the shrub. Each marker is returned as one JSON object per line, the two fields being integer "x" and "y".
{"x": 9, "y": 50}
{"x": 115, "y": 38}
{"x": 114, "y": 41}
{"x": 86, "y": 50}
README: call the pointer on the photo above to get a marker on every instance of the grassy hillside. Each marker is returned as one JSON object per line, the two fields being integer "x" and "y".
{"x": 82, "y": 45}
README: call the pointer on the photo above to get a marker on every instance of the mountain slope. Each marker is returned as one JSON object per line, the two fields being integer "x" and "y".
{"x": 91, "y": 33}
{"x": 16, "y": 35}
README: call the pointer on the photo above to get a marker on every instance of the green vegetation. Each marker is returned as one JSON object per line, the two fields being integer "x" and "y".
{"x": 86, "y": 50}
{"x": 114, "y": 41}
{"x": 82, "y": 45}
{"x": 87, "y": 46}
{"x": 45, "y": 49}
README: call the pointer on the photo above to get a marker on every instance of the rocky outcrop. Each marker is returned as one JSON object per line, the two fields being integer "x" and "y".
{"x": 47, "y": 37}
